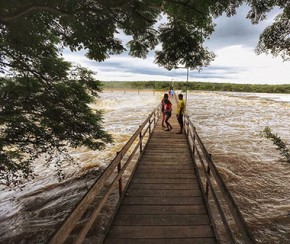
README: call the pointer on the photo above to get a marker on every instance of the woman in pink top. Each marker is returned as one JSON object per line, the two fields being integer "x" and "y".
{"x": 167, "y": 111}
{"x": 163, "y": 108}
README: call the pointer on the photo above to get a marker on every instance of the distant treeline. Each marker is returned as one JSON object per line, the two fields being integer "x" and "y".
{"x": 206, "y": 86}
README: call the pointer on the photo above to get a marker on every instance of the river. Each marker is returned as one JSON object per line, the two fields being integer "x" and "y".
{"x": 229, "y": 124}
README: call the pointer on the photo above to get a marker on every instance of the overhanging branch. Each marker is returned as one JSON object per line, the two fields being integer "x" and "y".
{"x": 29, "y": 9}
{"x": 185, "y": 5}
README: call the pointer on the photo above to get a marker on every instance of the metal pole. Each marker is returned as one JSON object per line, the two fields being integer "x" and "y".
{"x": 186, "y": 89}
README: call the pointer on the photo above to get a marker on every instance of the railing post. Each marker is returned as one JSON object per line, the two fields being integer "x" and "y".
{"x": 208, "y": 173}
{"x": 140, "y": 138}
{"x": 185, "y": 123}
{"x": 149, "y": 126}
{"x": 120, "y": 180}
{"x": 193, "y": 142}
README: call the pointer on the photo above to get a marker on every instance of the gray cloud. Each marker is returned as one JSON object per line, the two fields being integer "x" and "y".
{"x": 222, "y": 72}
{"x": 232, "y": 40}
{"x": 238, "y": 30}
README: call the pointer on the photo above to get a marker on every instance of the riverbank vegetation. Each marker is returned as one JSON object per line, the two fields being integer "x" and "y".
{"x": 204, "y": 86}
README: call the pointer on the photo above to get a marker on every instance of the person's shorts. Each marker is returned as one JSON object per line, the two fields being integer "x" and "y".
{"x": 180, "y": 119}
{"x": 168, "y": 114}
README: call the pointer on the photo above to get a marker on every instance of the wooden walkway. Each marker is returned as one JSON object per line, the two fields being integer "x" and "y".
{"x": 163, "y": 203}
{"x": 167, "y": 198}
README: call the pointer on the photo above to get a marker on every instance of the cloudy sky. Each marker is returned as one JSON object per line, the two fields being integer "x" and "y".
{"x": 233, "y": 42}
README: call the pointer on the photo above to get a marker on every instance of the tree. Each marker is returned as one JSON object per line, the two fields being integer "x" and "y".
{"x": 44, "y": 99}
{"x": 276, "y": 38}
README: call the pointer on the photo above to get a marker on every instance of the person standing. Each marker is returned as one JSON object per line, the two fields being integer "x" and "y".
{"x": 163, "y": 108}
{"x": 167, "y": 110}
{"x": 180, "y": 112}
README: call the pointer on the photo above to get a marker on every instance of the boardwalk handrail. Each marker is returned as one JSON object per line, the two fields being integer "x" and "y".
{"x": 134, "y": 143}
{"x": 221, "y": 200}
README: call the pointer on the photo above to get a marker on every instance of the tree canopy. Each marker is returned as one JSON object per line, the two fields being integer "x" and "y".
{"x": 44, "y": 99}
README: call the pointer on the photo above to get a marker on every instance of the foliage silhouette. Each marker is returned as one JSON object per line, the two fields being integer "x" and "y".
{"x": 44, "y": 99}
{"x": 281, "y": 145}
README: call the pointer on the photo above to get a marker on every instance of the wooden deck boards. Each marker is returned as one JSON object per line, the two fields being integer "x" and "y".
{"x": 163, "y": 203}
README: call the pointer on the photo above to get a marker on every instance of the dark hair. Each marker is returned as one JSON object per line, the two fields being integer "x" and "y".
{"x": 167, "y": 101}
{"x": 165, "y": 95}
{"x": 180, "y": 95}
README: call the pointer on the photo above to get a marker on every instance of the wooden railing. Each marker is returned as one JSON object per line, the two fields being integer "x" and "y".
{"x": 134, "y": 147}
{"x": 228, "y": 222}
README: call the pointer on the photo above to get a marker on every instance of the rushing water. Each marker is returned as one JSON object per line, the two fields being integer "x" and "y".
{"x": 229, "y": 125}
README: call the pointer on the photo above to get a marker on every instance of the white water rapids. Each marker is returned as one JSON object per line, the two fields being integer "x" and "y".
{"x": 229, "y": 125}
{"x": 258, "y": 177}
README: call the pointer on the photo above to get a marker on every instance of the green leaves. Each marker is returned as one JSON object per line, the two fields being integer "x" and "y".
{"x": 182, "y": 46}
{"x": 276, "y": 38}
{"x": 45, "y": 118}
{"x": 44, "y": 106}
{"x": 92, "y": 25}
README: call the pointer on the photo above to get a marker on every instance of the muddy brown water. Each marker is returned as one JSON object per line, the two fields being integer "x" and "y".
{"x": 229, "y": 125}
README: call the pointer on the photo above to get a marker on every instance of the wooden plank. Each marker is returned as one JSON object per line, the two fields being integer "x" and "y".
{"x": 161, "y": 220}
{"x": 193, "y": 186}
{"x": 162, "y": 200}
{"x": 163, "y": 193}
{"x": 164, "y": 161}
{"x": 162, "y": 241}
{"x": 173, "y": 155}
{"x": 165, "y": 139}
{"x": 156, "y": 141}
{"x": 157, "y": 138}
{"x": 165, "y": 145}
{"x": 172, "y": 159}
{"x": 164, "y": 181}
{"x": 157, "y": 209}
{"x": 160, "y": 231}
{"x": 165, "y": 142}
{"x": 164, "y": 175}
{"x": 164, "y": 150}
{"x": 163, "y": 170}
{"x": 146, "y": 167}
